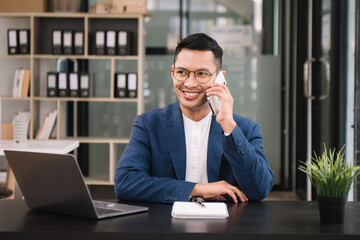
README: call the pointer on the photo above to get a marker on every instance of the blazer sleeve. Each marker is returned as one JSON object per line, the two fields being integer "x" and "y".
{"x": 133, "y": 176}
{"x": 246, "y": 157}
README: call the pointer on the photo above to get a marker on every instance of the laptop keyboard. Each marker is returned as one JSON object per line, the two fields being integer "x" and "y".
{"x": 105, "y": 211}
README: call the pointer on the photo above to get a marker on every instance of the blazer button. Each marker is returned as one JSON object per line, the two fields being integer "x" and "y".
{"x": 242, "y": 151}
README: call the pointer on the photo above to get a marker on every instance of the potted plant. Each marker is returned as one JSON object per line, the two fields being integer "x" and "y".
{"x": 332, "y": 178}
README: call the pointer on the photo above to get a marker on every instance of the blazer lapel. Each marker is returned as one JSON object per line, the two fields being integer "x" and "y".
{"x": 214, "y": 153}
{"x": 173, "y": 128}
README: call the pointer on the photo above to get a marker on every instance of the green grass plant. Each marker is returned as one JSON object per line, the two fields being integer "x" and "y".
{"x": 330, "y": 174}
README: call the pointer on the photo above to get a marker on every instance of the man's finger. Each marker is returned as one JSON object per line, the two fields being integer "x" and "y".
{"x": 232, "y": 195}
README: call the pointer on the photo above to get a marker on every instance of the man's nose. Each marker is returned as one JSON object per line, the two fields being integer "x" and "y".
{"x": 191, "y": 81}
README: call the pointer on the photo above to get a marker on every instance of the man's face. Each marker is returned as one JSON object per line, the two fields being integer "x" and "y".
{"x": 190, "y": 92}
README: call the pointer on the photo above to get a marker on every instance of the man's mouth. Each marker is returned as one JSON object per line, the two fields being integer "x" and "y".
{"x": 191, "y": 94}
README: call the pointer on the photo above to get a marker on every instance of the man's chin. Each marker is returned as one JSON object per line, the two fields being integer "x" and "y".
{"x": 193, "y": 106}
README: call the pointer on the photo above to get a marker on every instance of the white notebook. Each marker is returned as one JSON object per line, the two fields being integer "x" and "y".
{"x": 193, "y": 210}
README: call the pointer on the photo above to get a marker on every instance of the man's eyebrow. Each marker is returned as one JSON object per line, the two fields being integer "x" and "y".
{"x": 181, "y": 68}
{"x": 200, "y": 69}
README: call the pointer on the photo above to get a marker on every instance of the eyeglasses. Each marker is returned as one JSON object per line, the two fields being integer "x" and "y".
{"x": 202, "y": 76}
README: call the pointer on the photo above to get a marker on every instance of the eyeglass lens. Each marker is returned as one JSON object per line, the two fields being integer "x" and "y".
{"x": 201, "y": 76}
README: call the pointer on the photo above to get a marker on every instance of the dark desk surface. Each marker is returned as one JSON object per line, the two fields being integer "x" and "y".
{"x": 263, "y": 220}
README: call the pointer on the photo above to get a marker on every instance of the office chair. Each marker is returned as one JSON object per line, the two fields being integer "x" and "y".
{"x": 8, "y": 188}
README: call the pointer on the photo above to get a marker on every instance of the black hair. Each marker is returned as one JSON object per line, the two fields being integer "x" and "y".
{"x": 202, "y": 42}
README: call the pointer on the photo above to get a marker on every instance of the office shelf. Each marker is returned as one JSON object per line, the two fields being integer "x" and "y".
{"x": 110, "y": 144}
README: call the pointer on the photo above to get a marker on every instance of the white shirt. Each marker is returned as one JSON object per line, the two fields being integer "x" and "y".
{"x": 197, "y": 138}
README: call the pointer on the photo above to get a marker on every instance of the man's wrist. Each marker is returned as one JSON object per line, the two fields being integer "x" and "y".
{"x": 194, "y": 192}
{"x": 228, "y": 127}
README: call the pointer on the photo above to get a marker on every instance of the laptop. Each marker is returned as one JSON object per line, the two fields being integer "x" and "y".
{"x": 54, "y": 183}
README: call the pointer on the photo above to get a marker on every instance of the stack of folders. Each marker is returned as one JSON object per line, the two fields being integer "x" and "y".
{"x": 64, "y": 84}
{"x": 125, "y": 85}
{"x": 112, "y": 42}
{"x": 21, "y": 83}
{"x": 216, "y": 210}
{"x": 18, "y": 41}
{"x": 22, "y": 115}
{"x": 68, "y": 42}
{"x": 20, "y": 124}
{"x": 47, "y": 126}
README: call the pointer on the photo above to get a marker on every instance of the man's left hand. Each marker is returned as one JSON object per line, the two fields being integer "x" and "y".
{"x": 225, "y": 115}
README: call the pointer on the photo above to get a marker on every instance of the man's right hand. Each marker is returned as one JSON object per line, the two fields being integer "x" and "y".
{"x": 214, "y": 191}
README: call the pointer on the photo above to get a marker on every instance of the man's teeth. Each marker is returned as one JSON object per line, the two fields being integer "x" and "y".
{"x": 191, "y": 94}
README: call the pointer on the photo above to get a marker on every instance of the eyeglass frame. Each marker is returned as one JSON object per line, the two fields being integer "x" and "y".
{"x": 211, "y": 74}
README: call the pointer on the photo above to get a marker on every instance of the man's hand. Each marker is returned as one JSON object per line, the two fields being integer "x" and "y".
{"x": 225, "y": 114}
{"x": 213, "y": 191}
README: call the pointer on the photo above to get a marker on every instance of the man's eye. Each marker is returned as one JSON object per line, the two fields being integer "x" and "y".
{"x": 181, "y": 72}
{"x": 202, "y": 74}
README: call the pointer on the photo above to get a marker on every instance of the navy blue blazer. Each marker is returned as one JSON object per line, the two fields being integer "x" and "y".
{"x": 153, "y": 165}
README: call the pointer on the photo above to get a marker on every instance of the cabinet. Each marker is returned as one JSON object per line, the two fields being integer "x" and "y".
{"x": 107, "y": 119}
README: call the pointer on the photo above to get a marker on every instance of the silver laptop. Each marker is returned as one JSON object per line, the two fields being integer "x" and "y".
{"x": 54, "y": 183}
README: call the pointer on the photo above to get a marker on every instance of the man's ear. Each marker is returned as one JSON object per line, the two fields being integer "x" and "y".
{"x": 172, "y": 70}
{"x": 224, "y": 72}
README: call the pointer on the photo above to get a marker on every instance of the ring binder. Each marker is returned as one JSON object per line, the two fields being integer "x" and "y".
{"x": 79, "y": 42}
{"x": 57, "y": 42}
{"x": 110, "y": 42}
{"x": 52, "y": 84}
{"x": 62, "y": 84}
{"x": 24, "y": 41}
{"x": 74, "y": 84}
{"x": 132, "y": 85}
{"x": 84, "y": 84}
{"x": 123, "y": 43}
{"x": 12, "y": 41}
{"x": 67, "y": 42}
{"x": 120, "y": 85}
{"x": 100, "y": 42}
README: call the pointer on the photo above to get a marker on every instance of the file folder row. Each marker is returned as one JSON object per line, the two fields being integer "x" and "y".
{"x": 64, "y": 84}
{"x": 112, "y": 42}
{"x": 125, "y": 85}
{"x": 67, "y": 42}
{"x": 18, "y": 41}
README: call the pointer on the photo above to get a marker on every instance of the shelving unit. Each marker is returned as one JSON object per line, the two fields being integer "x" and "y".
{"x": 120, "y": 111}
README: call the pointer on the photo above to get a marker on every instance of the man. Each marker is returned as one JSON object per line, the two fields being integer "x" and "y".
{"x": 183, "y": 151}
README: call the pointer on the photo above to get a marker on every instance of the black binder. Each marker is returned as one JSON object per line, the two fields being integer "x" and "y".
{"x": 67, "y": 42}
{"x": 120, "y": 85}
{"x": 74, "y": 84}
{"x": 78, "y": 42}
{"x": 57, "y": 42}
{"x": 123, "y": 43}
{"x": 13, "y": 41}
{"x": 100, "y": 42}
{"x": 62, "y": 84}
{"x": 84, "y": 84}
{"x": 24, "y": 41}
{"x": 110, "y": 42}
{"x": 52, "y": 84}
{"x": 132, "y": 85}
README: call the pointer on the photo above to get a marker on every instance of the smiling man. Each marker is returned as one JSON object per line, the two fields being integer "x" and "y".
{"x": 183, "y": 151}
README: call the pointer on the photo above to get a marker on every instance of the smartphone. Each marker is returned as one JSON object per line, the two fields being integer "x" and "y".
{"x": 214, "y": 101}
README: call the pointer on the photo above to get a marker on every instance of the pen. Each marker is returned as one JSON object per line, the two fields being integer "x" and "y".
{"x": 198, "y": 201}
